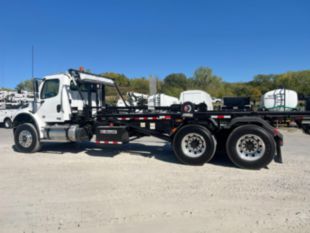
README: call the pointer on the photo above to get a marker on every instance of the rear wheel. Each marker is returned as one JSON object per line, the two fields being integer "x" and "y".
{"x": 8, "y": 123}
{"x": 251, "y": 147}
{"x": 194, "y": 144}
{"x": 27, "y": 138}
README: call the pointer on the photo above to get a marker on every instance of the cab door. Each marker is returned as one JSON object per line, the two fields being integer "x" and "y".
{"x": 50, "y": 101}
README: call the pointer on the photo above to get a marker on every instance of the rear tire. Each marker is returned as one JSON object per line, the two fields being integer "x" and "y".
{"x": 251, "y": 147}
{"x": 8, "y": 123}
{"x": 27, "y": 138}
{"x": 194, "y": 145}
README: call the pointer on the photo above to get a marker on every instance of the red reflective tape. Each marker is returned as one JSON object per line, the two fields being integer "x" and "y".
{"x": 140, "y": 118}
{"x": 221, "y": 116}
{"x": 164, "y": 117}
{"x": 145, "y": 118}
{"x": 124, "y": 118}
{"x": 108, "y": 142}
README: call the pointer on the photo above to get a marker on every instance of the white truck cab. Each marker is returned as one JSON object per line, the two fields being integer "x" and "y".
{"x": 54, "y": 101}
{"x": 65, "y": 106}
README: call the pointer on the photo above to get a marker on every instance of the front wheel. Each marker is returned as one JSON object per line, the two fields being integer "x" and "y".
{"x": 250, "y": 146}
{"x": 27, "y": 138}
{"x": 194, "y": 145}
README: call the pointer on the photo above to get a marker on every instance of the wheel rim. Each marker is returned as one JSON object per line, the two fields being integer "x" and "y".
{"x": 250, "y": 147}
{"x": 25, "y": 138}
{"x": 187, "y": 108}
{"x": 193, "y": 145}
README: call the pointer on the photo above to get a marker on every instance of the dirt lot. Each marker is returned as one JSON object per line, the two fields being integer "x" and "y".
{"x": 81, "y": 188}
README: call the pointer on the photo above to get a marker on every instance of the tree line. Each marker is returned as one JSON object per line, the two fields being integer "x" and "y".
{"x": 204, "y": 79}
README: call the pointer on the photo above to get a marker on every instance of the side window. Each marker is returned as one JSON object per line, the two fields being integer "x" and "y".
{"x": 73, "y": 87}
{"x": 50, "y": 88}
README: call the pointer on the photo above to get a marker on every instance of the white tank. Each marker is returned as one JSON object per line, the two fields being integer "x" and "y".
{"x": 120, "y": 103}
{"x": 280, "y": 100}
{"x": 161, "y": 100}
{"x": 197, "y": 97}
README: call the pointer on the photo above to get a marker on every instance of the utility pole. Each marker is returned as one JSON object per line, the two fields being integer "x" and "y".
{"x": 153, "y": 85}
{"x": 34, "y": 106}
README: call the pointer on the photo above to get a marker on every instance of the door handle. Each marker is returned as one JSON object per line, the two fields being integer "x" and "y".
{"x": 58, "y": 107}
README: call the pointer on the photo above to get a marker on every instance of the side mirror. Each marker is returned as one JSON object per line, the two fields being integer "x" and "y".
{"x": 36, "y": 84}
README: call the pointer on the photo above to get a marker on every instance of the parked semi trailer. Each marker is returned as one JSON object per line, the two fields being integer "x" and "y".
{"x": 71, "y": 107}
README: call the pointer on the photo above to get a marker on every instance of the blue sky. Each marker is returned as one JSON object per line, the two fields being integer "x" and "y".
{"x": 237, "y": 39}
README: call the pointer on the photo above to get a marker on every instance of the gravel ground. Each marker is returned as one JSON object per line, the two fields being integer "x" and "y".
{"x": 139, "y": 188}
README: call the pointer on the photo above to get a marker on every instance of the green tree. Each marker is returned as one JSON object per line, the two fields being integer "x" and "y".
{"x": 26, "y": 85}
{"x": 6, "y": 89}
{"x": 298, "y": 81}
{"x": 204, "y": 79}
{"x": 174, "y": 84}
{"x": 140, "y": 85}
{"x": 120, "y": 79}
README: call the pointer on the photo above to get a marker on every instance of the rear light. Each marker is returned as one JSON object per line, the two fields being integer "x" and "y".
{"x": 276, "y": 132}
{"x": 299, "y": 118}
{"x": 278, "y": 136}
{"x": 173, "y": 130}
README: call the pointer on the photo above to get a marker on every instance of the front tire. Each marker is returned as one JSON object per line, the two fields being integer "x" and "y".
{"x": 27, "y": 138}
{"x": 251, "y": 147}
{"x": 8, "y": 123}
{"x": 194, "y": 145}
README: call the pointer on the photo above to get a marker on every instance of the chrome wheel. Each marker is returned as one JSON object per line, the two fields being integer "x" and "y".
{"x": 193, "y": 145}
{"x": 250, "y": 147}
{"x": 25, "y": 138}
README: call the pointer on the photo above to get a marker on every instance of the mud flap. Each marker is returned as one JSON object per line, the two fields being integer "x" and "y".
{"x": 278, "y": 156}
